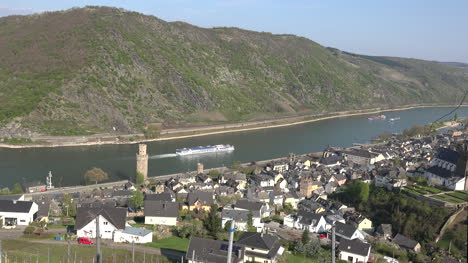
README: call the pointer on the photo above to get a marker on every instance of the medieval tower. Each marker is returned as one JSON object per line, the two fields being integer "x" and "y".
{"x": 142, "y": 161}
{"x": 200, "y": 168}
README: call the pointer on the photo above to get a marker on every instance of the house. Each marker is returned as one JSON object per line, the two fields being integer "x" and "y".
{"x": 448, "y": 168}
{"x": 13, "y": 213}
{"x": 354, "y": 251}
{"x": 308, "y": 186}
{"x": 202, "y": 250}
{"x": 241, "y": 219}
{"x": 161, "y": 212}
{"x": 385, "y": 231}
{"x": 166, "y": 196}
{"x": 276, "y": 198}
{"x": 264, "y": 180}
{"x": 133, "y": 235}
{"x": 406, "y": 243}
{"x": 260, "y": 247}
{"x": 199, "y": 200}
{"x": 357, "y": 220}
{"x": 311, "y": 206}
{"x": 239, "y": 178}
{"x": 340, "y": 179}
{"x": 280, "y": 167}
{"x": 263, "y": 209}
{"x": 331, "y": 161}
{"x": 363, "y": 157}
{"x": 315, "y": 223}
{"x": 293, "y": 198}
{"x": 111, "y": 219}
{"x": 347, "y": 231}
{"x": 390, "y": 182}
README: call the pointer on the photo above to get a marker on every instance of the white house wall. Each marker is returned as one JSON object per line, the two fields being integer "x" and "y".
{"x": 106, "y": 229}
{"x": 159, "y": 220}
{"x": 121, "y": 237}
{"x": 22, "y": 219}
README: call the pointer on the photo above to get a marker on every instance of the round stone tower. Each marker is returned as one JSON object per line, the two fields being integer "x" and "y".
{"x": 142, "y": 160}
{"x": 199, "y": 168}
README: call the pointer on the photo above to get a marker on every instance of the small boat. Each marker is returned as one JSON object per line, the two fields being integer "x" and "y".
{"x": 394, "y": 119}
{"x": 378, "y": 117}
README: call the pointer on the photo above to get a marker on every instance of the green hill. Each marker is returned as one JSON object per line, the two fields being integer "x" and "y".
{"x": 87, "y": 70}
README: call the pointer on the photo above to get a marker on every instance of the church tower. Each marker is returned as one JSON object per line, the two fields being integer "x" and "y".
{"x": 142, "y": 161}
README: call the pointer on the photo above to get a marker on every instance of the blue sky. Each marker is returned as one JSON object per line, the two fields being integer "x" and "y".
{"x": 426, "y": 29}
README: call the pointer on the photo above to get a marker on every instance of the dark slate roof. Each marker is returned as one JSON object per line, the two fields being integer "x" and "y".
{"x": 43, "y": 208}
{"x": 355, "y": 247}
{"x": 404, "y": 242}
{"x": 121, "y": 193}
{"x": 441, "y": 172}
{"x": 257, "y": 240}
{"x": 309, "y": 218}
{"x": 11, "y": 197}
{"x": 212, "y": 251}
{"x": 115, "y": 215}
{"x": 333, "y": 159}
{"x": 15, "y": 206}
{"x": 237, "y": 215}
{"x": 249, "y": 205}
{"x": 159, "y": 197}
{"x": 448, "y": 155}
{"x": 205, "y": 197}
{"x": 161, "y": 208}
{"x": 385, "y": 229}
{"x": 361, "y": 153}
{"x": 345, "y": 229}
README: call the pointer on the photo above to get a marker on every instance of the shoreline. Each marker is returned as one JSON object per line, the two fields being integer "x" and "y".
{"x": 236, "y": 127}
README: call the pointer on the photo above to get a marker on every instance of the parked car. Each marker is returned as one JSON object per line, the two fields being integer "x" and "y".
{"x": 322, "y": 236}
{"x": 85, "y": 241}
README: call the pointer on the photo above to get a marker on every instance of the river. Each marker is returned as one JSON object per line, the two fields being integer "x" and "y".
{"x": 68, "y": 164}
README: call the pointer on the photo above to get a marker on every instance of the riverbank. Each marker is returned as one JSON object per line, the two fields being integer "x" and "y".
{"x": 174, "y": 134}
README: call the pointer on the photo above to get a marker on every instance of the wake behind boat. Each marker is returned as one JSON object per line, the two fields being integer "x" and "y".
{"x": 378, "y": 117}
{"x": 394, "y": 119}
{"x": 205, "y": 149}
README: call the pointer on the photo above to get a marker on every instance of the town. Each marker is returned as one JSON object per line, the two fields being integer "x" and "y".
{"x": 397, "y": 200}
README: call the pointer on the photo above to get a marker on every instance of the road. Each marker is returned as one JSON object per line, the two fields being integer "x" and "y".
{"x": 75, "y": 189}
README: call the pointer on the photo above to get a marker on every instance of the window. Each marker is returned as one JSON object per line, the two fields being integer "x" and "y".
{"x": 350, "y": 259}
{"x": 106, "y": 223}
{"x": 22, "y": 220}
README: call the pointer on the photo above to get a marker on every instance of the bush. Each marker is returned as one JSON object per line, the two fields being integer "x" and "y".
{"x": 29, "y": 230}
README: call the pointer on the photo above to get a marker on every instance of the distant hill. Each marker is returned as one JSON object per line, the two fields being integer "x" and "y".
{"x": 456, "y": 64}
{"x": 87, "y": 70}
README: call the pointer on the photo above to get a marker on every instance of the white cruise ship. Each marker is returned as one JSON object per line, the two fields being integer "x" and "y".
{"x": 205, "y": 149}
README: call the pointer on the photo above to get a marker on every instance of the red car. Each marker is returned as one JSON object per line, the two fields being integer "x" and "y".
{"x": 322, "y": 236}
{"x": 85, "y": 240}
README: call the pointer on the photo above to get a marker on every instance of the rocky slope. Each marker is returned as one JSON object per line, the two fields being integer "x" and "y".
{"x": 90, "y": 69}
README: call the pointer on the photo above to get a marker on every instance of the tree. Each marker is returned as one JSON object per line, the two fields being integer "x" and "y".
{"x": 95, "y": 175}
{"x": 288, "y": 208}
{"x": 227, "y": 226}
{"x": 139, "y": 178}
{"x": 213, "y": 221}
{"x": 136, "y": 201}
{"x": 153, "y": 131}
{"x": 29, "y": 230}
{"x": 250, "y": 226}
{"x": 68, "y": 206}
{"x": 17, "y": 189}
{"x": 305, "y": 236}
{"x": 214, "y": 173}
{"x": 357, "y": 192}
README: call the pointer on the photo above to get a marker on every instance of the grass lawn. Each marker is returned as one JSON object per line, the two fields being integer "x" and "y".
{"x": 415, "y": 191}
{"x": 23, "y": 251}
{"x": 174, "y": 243}
{"x": 459, "y": 195}
{"x": 323, "y": 254}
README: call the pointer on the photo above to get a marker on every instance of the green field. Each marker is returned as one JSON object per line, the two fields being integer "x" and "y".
{"x": 448, "y": 198}
{"x": 459, "y": 195}
{"x": 424, "y": 190}
{"x": 174, "y": 243}
{"x": 23, "y": 251}
{"x": 322, "y": 255}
